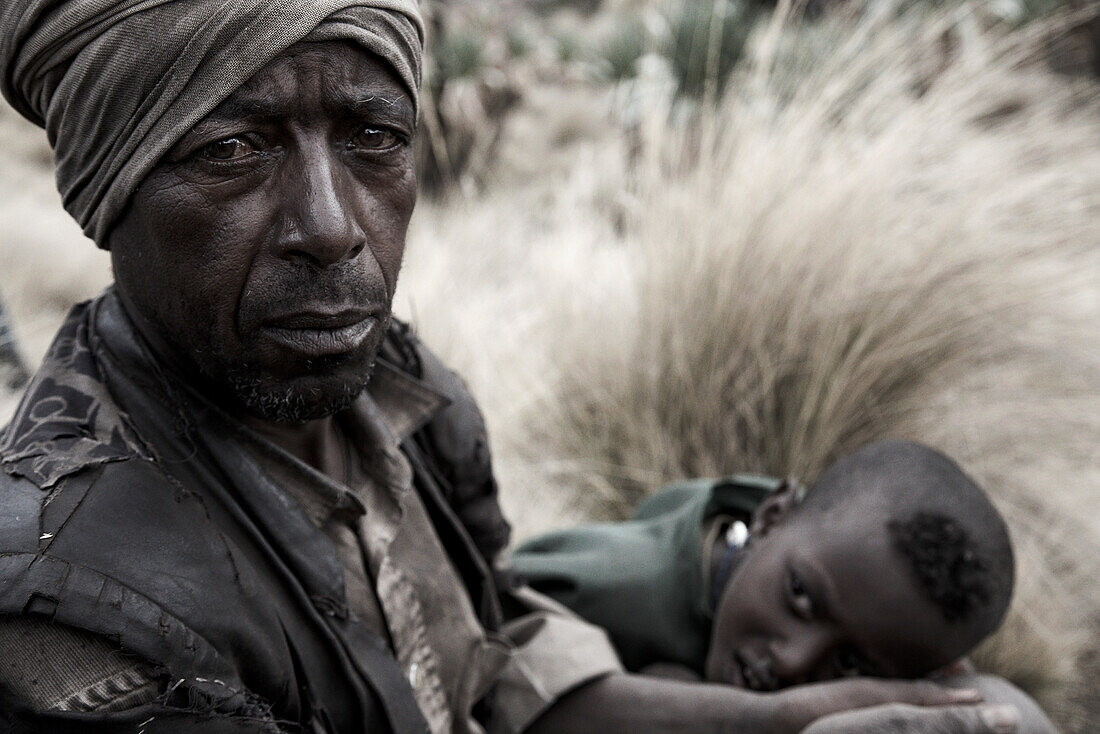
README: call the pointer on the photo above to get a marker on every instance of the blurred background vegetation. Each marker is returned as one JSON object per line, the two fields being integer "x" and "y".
{"x": 664, "y": 238}
{"x": 484, "y": 56}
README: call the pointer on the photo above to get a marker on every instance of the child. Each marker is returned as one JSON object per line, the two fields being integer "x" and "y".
{"x": 894, "y": 564}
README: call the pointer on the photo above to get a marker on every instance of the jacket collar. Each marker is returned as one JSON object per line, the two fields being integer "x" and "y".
{"x": 405, "y": 403}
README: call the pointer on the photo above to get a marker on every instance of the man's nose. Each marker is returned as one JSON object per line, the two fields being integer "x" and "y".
{"x": 802, "y": 657}
{"x": 322, "y": 226}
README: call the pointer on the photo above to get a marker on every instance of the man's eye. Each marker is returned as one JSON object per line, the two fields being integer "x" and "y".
{"x": 372, "y": 138}
{"x": 230, "y": 149}
{"x": 799, "y": 597}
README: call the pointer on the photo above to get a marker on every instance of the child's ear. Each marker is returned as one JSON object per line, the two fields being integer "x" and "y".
{"x": 774, "y": 509}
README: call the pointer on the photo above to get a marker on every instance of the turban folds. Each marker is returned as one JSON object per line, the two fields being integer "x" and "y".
{"x": 117, "y": 82}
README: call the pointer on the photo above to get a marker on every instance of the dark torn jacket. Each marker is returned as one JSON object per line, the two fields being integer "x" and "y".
{"x": 133, "y": 509}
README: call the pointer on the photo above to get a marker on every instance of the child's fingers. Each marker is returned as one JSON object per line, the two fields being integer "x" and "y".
{"x": 916, "y": 692}
{"x": 800, "y": 705}
{"x": 907, "y": 719}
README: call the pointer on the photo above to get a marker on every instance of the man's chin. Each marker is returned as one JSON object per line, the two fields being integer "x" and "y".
{"x": 285, "y": 388}
{"x": 297, "y": 400}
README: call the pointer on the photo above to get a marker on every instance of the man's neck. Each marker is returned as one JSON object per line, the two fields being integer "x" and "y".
{"x": 319, "y": 443}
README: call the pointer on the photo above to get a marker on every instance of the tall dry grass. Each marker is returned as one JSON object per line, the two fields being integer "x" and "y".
{"x": 888, "y": 228}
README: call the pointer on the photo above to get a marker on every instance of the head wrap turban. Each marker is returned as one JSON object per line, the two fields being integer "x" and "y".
{"x": 117, "y": 82}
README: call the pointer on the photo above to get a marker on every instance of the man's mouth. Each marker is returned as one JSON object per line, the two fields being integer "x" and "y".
{"x": 319, "y": 333}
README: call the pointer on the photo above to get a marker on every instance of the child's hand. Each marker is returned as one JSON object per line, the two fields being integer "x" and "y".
{"x": 899, "y": 718}
{"x": 794, "y": 709}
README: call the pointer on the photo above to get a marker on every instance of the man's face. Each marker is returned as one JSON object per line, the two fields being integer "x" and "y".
{"x": 263, "y": 250}
{"x": 818, "y": 598}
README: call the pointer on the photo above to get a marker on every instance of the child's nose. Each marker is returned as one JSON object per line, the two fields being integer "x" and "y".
{"x": 803, "y": 656}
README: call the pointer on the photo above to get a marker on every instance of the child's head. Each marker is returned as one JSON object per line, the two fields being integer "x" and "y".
{"x": 894, "y": 565}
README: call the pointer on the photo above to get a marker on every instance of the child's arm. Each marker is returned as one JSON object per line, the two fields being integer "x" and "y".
{"x": 671, "y": 671}
{"x": 632, "y": 703}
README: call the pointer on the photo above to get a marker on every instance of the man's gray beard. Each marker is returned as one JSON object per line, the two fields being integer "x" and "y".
{"x": 293, "y": 403}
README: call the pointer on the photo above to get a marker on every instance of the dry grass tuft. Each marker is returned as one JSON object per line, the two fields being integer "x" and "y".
{"x": 889, "y": 229}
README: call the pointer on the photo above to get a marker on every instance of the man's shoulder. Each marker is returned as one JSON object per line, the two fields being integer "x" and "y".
{"x": 67, "y": 448}
{"x": 104, "y": 515}
{"x": 119, "y": 550}
{"x": 67, "y": 420}
{"x": 455, "y": 439}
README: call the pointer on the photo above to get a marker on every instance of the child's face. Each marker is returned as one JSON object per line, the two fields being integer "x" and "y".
{"x": 822, "y": 597}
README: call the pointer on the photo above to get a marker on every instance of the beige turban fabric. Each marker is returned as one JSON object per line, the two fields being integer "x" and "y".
{"x": 117, "y": 82}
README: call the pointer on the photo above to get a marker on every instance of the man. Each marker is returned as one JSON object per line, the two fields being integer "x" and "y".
{"x": 237, "y": 495}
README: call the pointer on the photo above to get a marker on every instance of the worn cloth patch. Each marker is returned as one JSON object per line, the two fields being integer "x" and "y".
{"x": 67, "y": 421}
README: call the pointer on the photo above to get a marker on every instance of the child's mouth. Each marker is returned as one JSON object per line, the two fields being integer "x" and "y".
{"x": 752, "y": 677}
{"x": 748, "y": 675}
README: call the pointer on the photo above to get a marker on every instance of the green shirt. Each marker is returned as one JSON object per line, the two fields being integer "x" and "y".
{"x": 644, "y": 580}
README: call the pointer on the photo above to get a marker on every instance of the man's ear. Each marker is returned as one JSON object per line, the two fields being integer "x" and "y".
{"x": 774, "y": 509}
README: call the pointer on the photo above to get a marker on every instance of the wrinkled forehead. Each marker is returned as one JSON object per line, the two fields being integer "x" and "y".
{"x": 333, "y": 78}
{"x": 347, "y": 61}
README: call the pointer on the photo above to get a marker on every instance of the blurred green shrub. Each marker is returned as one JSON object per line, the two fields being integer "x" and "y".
{"x": 467, "y": 92}
{"x": 517, "y": 43}
{"x": 568, "y": 45}
{"x": 622, "y": 48}
{"x": 458, "y": 54}
{"x": 708, "y": 39}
